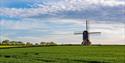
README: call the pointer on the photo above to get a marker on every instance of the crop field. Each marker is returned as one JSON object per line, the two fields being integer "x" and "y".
{"x": 64, "y": 54}
{"x": 6, "y": 46}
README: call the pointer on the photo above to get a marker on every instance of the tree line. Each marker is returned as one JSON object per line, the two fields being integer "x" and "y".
{"x": 20, "y": 43}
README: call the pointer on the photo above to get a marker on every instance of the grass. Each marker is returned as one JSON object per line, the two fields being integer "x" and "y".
{"x": 64, "y": 54}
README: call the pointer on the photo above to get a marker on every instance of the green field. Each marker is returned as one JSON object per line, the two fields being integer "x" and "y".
{"x": 64, "y": 54}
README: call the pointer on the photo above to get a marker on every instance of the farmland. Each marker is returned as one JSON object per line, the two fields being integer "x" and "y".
{"x": 64, "y": 54}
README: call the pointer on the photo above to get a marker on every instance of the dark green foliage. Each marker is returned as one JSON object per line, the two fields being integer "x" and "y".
{"x": 5, "y": 42}
{"x": 36, "y": 53}
{"x": 14, "y": 44}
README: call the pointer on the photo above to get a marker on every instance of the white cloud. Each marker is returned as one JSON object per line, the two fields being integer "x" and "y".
{"x": 111, "y": 33}
{"x": 53, "y": 8}
{"x": 65, "y": 39}
{"x": 75, "y": 22}
{"x": 21, "y": 24}
{"x": 3, "y": 37}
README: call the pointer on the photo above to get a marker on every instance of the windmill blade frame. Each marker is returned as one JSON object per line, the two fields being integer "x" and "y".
{"x": 94, "y": 32}
{"x": 78, "y": 33}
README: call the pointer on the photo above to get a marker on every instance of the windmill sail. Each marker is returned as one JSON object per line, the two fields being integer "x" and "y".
{"x": 78, "y": 33}
{"x": 94, "y": 32}
{"x": 86, "y": 25}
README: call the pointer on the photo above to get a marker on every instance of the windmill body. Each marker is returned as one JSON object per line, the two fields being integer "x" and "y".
{"x": 86, "y": 40}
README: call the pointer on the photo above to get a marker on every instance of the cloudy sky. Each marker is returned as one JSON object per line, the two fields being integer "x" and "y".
{"x": 57, "y": 20}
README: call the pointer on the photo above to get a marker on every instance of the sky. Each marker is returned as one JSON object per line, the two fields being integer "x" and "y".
{"x": 57, "y": 20}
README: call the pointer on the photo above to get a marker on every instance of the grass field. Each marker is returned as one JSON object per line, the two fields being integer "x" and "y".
{"x": 64, "y": 54}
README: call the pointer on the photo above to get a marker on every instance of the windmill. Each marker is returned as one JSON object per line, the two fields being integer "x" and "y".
{"x": 85, "y": 34}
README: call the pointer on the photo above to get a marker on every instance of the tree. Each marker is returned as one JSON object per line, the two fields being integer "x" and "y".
{"x": 0, "y": 42}
{"x": 20, "y": 43}
{"x": 12, "y": 42}
{"x": 5, "y": 42}
{"x": 50, "y": 43}
{"x": 29, "y": 44}
{"x": 43, "y": 43}
{"x": 36, "y": 44}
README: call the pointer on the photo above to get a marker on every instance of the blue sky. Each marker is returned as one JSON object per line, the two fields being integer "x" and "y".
{"x": 37, "y": 20}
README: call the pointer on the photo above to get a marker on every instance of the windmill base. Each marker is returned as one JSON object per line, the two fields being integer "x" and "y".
{"x": 86, "y": 42}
